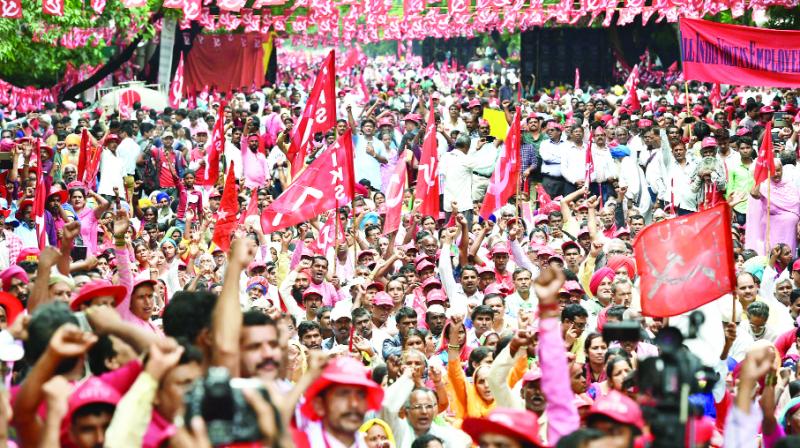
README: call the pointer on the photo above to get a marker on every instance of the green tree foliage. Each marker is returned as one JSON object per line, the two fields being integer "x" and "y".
{"x": 25, "y": 62}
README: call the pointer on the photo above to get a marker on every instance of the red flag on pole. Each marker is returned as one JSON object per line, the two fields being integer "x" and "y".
{"x": 765, "y": 163}
{"x": 632, "y": 98}
{"x": 226, "y": 216}
{"x": 325, "y": 184}
{"x": 176, "y": 88}
{"x": 503, "y": 183}
{"x": 210, "y": 174}
{"x": 83, "y": 154}
{"x": 577, "y": 78}
{"x": 589, "y": 162}
{"x": 715, "y": 96}
{"x": 318, "y": 116}
{"x": 252, "y": 207}
{"x": 678, "y": 275}
{"x": 328, "y": 234}
{"x": 427, "y": 187}
{"x": 394, "y": 197}
{"x": 39, "y": 200}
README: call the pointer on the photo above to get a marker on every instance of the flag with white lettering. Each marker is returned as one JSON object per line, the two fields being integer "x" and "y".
{"x": 327, "y": 183}
{"x": 318, "y": 116}
{"x": 427, "y": 187}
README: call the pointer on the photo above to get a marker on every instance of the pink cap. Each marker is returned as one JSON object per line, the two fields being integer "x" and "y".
{"x": 709, "y": 142}
{"x": 381, "y": 298}
{"x": 532, "y": 375}
{"x": 93, "y": 390}
{"x": 622, "y": 231}
{"x": 424, "y": 264}
{"x": 618, "y": 407}
{"x": 474, "y": 103}
{"x": 494, "y": 288}
{"x": 436, "y": 296}
{"x": 501, "y": 248}
{"x": 431, "y": 281}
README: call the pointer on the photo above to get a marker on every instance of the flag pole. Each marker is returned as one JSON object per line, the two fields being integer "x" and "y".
{"x": 766, "y": 239}
{"x": 336, "y": 239}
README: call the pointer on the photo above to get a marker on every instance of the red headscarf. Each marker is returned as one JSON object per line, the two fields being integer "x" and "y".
{"x": 617, "y": 261}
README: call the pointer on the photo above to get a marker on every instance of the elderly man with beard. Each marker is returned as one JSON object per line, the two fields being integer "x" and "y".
{"x": 292, "y": 291}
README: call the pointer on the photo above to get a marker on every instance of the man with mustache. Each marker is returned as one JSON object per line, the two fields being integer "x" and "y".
{"x": 340, "y": 321}
{"x": 336, "y": 404}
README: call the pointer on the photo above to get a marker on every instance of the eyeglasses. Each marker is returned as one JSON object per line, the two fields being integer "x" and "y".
{"x": 423, "y": 407}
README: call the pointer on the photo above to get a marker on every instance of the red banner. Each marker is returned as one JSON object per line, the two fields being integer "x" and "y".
{"x": 427, "y": 187}
{"x": 318, "y": 116}
{"x": 739, "y": 55}
{"x": 324, "y": 185}
{"x": 678, "y": 275}
{"x": 505, "y": 178}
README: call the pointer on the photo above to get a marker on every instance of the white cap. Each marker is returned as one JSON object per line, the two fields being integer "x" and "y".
{"x": 340, "y": 310}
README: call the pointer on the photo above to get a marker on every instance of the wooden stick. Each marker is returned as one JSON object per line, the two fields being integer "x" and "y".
{"x": 336, "y": 240}
{"x": 766, "y": 236}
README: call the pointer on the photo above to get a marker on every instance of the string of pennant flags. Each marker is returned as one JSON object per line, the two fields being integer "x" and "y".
{"x": 319, "y": 22}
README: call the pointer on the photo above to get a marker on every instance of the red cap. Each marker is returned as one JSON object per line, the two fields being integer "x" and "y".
{"x": 367, "y": 252}
{"x": 796, "y": 265}
{"x": 567, "y": 244}
{"x": 12, "y": 305}
{"x": 98, "y": 288}
{"x": 76, "y": 185}
{"x": 57, "y": 190}
{"x": 417, "y": 118}
{"x": 474, "y": 103}
{"x": 312, "y": 289}
{"x": 618, "y": 407}
{"x": 377, "y": 285}
{"x": 111, "y": 138}
{"x": 28, "y": 254}
{"x": 22, "y": 205}
{"x": 342, "y": 371}
{"x": 517, "y": 424}
{"x": 766, "y": 110}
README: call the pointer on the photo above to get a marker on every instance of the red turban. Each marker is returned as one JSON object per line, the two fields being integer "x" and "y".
{"x": 618, "y": 261}
{"x": 598, "y": 277}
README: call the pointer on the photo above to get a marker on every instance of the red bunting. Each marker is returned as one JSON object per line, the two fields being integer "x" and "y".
{"x": 765, "y": 163}
{"x": 53, "y": 7}
{"x": 318, "y": 116}
{"x": 678, "y": 275}
{"x": 427, "y": 186}
{"x": 394, "y": 196}
{"x": 210, "y": 174}
{"x": 325, "y": 184}
{"x": 11, "y": 9}
{"x": 505, "y": 178}
{"x": 228, "y": 209}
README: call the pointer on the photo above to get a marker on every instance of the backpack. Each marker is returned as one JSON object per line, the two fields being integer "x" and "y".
{"x": 150, "y": 171}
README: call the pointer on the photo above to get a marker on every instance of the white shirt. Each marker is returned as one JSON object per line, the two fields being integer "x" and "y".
{"x": 679, "y": 185}
{"x": 112, "y": 170}
{"x": 457, "y": 168}
{"x": 550, "y": 152}
{"x": 232, "y": 154}
{"x": 573, "y": 163}
{"x": 128, "y": 150}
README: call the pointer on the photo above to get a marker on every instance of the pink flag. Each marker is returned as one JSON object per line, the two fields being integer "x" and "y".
{"x": 715, "y": 96}
{"x": 632, "y": 98}
{"x": 427, "y": 187}
{"x": 589, "y": 162}
{"x": 394, "y": 197}
{"x": 176, "y": 88}
{"x": 577, "y": 84}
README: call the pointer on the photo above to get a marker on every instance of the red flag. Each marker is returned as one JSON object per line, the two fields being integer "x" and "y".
{"x": 176, "y": 88}
{"x": 252, "y": 207}
{"x": 318, "y": 116}
{"x": 210, "y": 174}
{"x": 53, "y": 7}
{"x": 577, "y": 84}
{"x": 330, "y": 233}
{"x": 678, "y": 275}
{"x": 715, "y": 96}
{"x": 427, "y": 187}
{"x": 83, "y": 155}
{"x": 505, "y": 178}
{"x": 325, "y": 184}
{"x": 226, "y": 216}
{"x": 92, "y": 166}
{"x": 394, "y": 197}
{"x": 589, "y": 162}
{"x": 39, "y": 200}
{"x": 632, "y": 83}
{"x": 11, "y": 9}
{"x": 765, "y": 163}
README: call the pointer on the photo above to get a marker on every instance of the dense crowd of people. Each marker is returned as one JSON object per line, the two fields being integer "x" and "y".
{"x": 131, "y": 327}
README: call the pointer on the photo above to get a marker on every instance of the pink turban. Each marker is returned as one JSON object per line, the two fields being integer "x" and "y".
{"x": 598, "y": 277}
{"x": 617, "y": 261}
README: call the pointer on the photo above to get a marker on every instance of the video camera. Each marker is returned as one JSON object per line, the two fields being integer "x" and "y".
{"x": 219, "y": 400}
{"x": 666, "y": 381}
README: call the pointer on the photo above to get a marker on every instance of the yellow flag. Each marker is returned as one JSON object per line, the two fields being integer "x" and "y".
{"x": 267, "y": 46}
{"x": 498, "y": 126}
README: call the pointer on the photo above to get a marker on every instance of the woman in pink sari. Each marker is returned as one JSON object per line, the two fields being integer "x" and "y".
{"x": 784, "y": 213}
